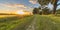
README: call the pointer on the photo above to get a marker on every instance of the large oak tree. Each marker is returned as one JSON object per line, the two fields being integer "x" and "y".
{"x": 45, "y": 2}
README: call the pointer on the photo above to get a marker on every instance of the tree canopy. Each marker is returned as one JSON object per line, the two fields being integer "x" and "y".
{"x": 46, "y": 2}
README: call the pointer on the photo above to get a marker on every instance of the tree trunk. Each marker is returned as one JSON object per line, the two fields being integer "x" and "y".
{"x": 55, "y": 6}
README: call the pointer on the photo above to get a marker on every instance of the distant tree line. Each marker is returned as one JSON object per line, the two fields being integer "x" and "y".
{"x": 44, "y": 11}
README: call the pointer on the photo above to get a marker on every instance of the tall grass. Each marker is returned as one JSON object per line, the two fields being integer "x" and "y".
{"x": 9, "y": 23}
{"x": 43, "y": 22}
{"x": 48, "y": 22}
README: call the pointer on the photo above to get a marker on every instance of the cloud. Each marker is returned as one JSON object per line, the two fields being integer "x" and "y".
{"x": 13, "y": 5}
{"x": 33, "y": 1}
{"x": 20, "y": 5}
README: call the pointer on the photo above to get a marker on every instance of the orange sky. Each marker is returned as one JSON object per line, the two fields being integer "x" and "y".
{"x": 11, "y": 8}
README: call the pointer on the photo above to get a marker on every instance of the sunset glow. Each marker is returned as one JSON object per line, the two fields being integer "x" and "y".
{"x": 20, "y": 12}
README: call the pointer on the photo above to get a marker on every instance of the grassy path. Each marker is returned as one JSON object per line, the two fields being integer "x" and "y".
{"x": 32, "y": 25}
{"x": 24, "y": 24}
{"x": 45, "y": 23}
{"x": 41, "y": 22}
{"x": 35, "y": 22}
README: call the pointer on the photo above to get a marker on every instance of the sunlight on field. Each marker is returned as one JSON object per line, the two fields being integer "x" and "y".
{"x": 1, "y": 16}
{"x": 10, "y": 23}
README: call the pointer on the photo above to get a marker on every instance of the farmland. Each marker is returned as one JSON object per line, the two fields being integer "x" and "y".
{"x": 35, "y": 22}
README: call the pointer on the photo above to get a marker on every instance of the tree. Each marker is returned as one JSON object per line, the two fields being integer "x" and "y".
{"x": 35, "y": 11}
{"x": 45, "y": 11}
{"x": 45, "y": 2}
{"x": 55, "y": 6}
{"x": 58, "y": 11}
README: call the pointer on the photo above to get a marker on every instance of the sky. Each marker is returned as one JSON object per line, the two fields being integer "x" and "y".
{"x": 15, "y": 5}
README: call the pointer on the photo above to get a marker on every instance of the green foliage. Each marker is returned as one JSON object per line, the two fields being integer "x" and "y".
{"x": 35, "y": 11}
{"x": 58, "y": 11}
{"x": 44, "y": 2}
{"x": 45, "y": 11}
